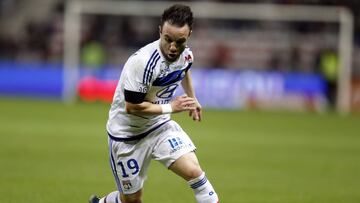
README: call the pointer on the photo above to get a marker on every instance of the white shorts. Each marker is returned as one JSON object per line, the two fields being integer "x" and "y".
{"x": 130, "y": 159}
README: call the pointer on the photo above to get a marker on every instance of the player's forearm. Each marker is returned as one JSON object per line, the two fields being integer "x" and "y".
{"x": 144, "y": 108}
{"x": 179, "y": 104}
{"x": 186, "y": 83}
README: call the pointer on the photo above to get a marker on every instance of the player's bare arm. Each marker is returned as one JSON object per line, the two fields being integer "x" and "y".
{"x": 179, "y": 104}
{"x": 186, "y": 83}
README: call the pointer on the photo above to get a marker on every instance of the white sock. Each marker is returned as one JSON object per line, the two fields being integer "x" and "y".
{"x": 113, "y": 197}
{"x": 204, "y": 191}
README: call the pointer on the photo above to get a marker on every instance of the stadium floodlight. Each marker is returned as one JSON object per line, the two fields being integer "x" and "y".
{"x": 212, "y": 10}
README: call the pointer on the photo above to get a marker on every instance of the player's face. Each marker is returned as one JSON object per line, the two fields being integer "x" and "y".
{"x": 173, "y": 40}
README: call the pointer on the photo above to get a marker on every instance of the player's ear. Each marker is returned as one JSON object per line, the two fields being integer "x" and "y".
{"x": 160, "y": 30}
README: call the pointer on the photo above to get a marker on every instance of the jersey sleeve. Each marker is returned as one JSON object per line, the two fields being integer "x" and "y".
{"x": 134, "y": 82}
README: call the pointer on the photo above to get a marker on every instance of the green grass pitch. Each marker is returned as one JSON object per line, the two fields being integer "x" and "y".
{"x": 52, "y": 152}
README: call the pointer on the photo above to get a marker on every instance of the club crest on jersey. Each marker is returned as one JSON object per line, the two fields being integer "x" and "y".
{"x": 164, "y": 70}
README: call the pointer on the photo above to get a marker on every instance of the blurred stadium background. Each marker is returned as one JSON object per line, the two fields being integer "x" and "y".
{"x": 271, "y": 85}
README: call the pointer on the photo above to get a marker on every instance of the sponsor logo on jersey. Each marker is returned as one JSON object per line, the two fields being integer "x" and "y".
{"x": 177, "y": 144}
{"x": 167, "y": 92}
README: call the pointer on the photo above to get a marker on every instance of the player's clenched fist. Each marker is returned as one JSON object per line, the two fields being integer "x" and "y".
{"x": 183, "y": 103}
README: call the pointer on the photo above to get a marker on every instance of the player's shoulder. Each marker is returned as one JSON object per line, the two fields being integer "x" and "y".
{"x": 143, "y": 55}
{"x": 148, "y": 51}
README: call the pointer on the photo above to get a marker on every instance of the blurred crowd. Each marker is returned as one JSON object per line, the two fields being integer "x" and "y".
{"x": 109, "y": 40}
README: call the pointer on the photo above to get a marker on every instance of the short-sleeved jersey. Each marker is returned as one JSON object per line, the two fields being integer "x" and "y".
{"x": 146, "y": 71}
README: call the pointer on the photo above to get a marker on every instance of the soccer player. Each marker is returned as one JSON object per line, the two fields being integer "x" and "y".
{"x": 139, "y": 125}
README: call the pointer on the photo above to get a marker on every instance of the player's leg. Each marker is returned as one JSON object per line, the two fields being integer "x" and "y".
{"x": 175, "y": 150}
{"x": 187, "y": 167}
{"x": 112, "y": 197}
{"x": 129, "y": 162}
{"x": 132, "y": 198}
{"x": 116, "y": 197}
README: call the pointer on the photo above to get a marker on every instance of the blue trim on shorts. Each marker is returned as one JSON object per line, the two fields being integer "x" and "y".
{"x": 136, "y": 137}
{"x": 113, "y": 167}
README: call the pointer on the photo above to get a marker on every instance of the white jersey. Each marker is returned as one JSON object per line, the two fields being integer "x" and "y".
{"x": 146, "y": 71}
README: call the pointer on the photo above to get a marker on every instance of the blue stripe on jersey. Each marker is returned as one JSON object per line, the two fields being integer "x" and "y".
{"x": 172, "y": 77}
{"x": 147, "y": 66}
{"x": 147, "y": 80}
{"x": 152, "y": 69}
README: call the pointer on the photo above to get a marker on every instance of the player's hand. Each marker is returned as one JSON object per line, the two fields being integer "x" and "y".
{"x": 183, "y": 103}
{"x": 196, "y": 114}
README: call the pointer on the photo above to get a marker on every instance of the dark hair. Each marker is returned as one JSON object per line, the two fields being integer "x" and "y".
{"x": 178, "y": 15}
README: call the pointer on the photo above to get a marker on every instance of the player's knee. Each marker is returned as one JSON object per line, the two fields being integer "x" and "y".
{"x": 133, "y": 198}
{"x": 194, "y": 173}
